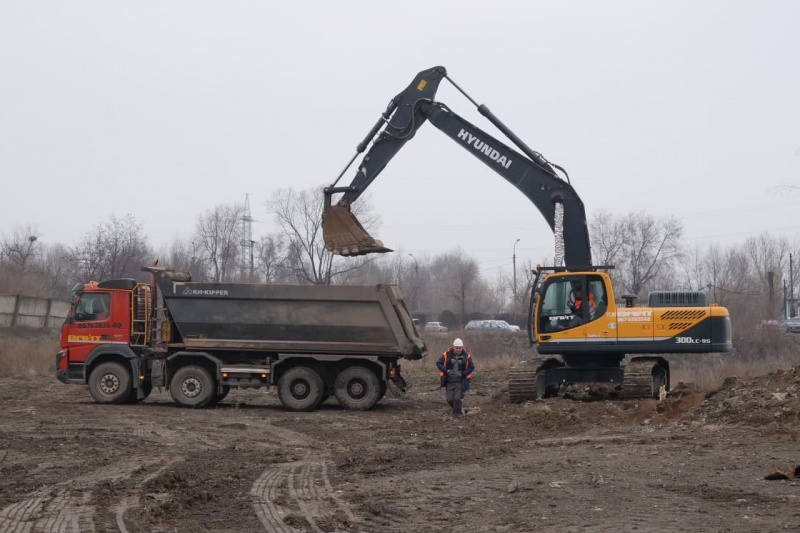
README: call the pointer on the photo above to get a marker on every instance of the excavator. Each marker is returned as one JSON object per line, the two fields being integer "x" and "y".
{"x": 581, "y": 332}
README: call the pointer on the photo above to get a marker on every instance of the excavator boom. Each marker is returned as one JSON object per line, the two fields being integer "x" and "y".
{"x": 342, "y": 233}
{"x": 530, "y": 173}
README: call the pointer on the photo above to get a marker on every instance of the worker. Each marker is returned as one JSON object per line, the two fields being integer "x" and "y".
{"x": 455, "y": 372}
{"x": 576, "y": 300}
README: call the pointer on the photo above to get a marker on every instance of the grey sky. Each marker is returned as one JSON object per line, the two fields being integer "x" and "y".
{"x": 165, "y": 109}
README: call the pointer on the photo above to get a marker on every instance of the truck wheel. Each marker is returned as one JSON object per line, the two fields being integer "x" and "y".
{"x": 357, "y": 388}
{"x": 110, "y": 383}
{"x": 192, "y": 386}
{"x": 300, "y": 389}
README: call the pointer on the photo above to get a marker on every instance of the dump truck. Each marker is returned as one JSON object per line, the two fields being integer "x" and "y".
{"x": 199, "y": 340}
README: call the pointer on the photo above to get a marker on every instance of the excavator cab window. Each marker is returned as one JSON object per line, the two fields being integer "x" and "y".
{"x": 569, "y": 301}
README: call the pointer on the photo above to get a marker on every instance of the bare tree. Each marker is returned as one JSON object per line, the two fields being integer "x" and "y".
{"x": 609, "y": 235}
{"x": 456, "y": 275}
{"x": 467, "y": 274}
{"x": 57, "y": 267}
{"x": 299, "y": 215}
{"x": 651, "y": 248}
{"x": 692, "y": 270}
{"x": 218, "y": 236}
{"x": 269, "y": 261}
{"x": 182, "y": 254}
{"x": 116, "y": 248}
{"x": 21, "y": 245}
{"x": 768, "y": 256}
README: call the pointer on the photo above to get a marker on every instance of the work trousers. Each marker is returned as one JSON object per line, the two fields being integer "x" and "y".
{"x": 454, "y": 394}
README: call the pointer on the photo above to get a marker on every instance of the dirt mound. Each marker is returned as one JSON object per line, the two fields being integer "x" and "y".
{"x": 772, "y": 399}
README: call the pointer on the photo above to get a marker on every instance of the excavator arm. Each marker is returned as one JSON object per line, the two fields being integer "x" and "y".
{"x": 530, "y": 173}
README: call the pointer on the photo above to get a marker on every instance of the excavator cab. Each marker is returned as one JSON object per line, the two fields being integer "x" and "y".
{"x": 566, "y": 305}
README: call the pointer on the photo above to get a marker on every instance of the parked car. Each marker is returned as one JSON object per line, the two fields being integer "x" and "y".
{"x": 435, "y": 326}
{"x": 488, "y": 325}
{"x": 512, "y": 327}
{"x": 417, "y": 323}
{"x": 790, "y": 325}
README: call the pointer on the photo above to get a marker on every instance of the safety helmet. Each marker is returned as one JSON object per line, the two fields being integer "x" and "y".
{"x": 458, "y": 343}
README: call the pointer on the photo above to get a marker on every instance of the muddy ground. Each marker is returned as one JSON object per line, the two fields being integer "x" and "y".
{"x": 694, "y": 462}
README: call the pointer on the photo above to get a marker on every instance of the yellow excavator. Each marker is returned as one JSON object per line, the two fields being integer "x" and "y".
{"x": 582, "y": 332}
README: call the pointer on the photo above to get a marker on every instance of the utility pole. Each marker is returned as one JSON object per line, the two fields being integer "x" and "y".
{"x": 514, "y": 262}
{"x": 416, "y": 283}
{"x": 247, "y": 239}
{"x": 792, "y": 307}
{"x": 771, "y": 298}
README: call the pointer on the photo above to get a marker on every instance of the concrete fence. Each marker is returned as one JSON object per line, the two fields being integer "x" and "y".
{"x": 32, "y": 312}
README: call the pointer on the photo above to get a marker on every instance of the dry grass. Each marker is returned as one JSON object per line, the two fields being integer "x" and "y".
{"x": 756, "y": 353}
{"x": 27, "y": 352}
{"x": 491, "y": 352}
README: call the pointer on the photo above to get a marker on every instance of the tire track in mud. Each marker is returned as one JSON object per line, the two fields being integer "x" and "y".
{"x": 310, "y": 496}
{"x": 49, "y": 511}
{"x": 265, "y": 495}
{"x": 131, "y": 502}
{"x": 65, "y": 507}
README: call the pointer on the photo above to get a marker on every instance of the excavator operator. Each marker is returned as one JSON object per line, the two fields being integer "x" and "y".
{"x": 576, "y": 300}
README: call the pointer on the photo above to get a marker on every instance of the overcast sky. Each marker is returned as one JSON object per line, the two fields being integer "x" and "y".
{"x": 166, "y": 109}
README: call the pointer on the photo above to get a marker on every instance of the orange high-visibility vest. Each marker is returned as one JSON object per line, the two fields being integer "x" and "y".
{"x": 592, "y": 305}
{"x": 467, "y": 360}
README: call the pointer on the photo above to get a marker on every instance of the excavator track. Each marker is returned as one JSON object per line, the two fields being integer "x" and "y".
{"x": 522, "y": 378}
{"x": 645, "y": 378}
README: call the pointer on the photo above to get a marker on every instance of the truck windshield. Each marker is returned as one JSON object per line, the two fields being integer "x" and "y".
{"x": 92, "y": 307}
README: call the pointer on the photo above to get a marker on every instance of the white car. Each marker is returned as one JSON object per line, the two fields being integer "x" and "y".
{"x": 435, "y": 326}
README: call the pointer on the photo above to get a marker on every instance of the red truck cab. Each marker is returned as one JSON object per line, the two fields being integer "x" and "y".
{"x": 99, "y": 322}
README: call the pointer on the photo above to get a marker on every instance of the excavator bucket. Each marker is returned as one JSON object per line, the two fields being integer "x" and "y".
{"x": 344, "y": 235}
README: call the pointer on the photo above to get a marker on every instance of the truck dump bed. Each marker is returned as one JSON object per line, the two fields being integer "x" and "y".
{"x": 366, "y": 320}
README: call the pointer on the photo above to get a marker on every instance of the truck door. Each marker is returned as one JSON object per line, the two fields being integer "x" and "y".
{"x": 88, "y": 325}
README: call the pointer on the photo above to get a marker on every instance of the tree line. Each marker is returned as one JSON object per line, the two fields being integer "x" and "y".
{"x": 749, "y": 278}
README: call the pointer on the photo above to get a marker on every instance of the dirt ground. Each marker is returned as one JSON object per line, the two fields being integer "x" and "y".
{"x": 694, "y": 462}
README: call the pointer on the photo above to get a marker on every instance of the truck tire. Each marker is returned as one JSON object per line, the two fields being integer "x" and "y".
{"x": 110, "y": 383}
{"x": 192, "y": 386}
{"x": 300, "y": 389}
{"x": 357, "y": 388}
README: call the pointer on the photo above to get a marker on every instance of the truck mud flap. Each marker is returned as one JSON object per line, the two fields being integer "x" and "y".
{"x": 344, "y": 235}
{"x": 158, "y": 374}
{"x": 397, "y": 385}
